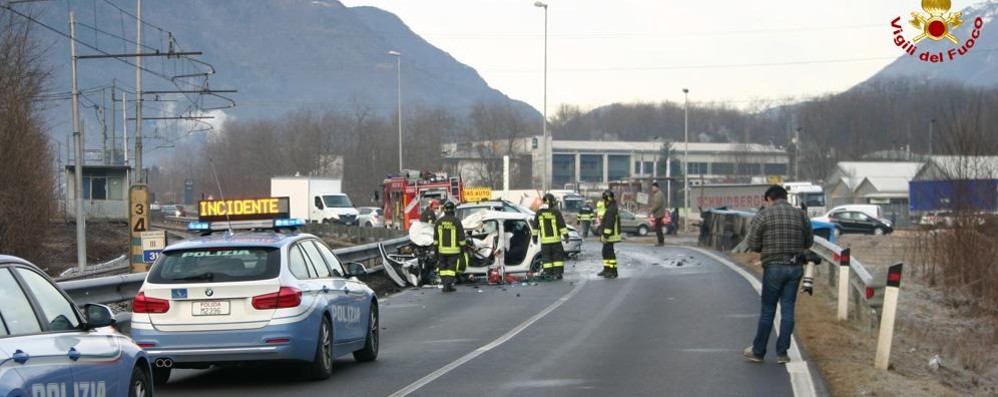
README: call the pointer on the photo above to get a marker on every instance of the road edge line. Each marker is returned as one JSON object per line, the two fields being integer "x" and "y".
{"x": 800, "y": 374}
{"x": 491, "y": 345}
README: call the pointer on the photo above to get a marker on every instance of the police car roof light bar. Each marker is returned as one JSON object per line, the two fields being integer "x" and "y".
{"x": 279, "y": 224}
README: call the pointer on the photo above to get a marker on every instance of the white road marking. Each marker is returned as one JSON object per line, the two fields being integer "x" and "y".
{"x": 492, "y": 345}
{"x": 800, "y": 374}
{"x": 451, "y": 341}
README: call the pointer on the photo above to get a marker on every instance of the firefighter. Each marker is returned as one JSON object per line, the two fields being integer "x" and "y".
{"x": 609, "y": 235}
{"x": 429, "y": 215}
{"x": 449, "y": 239}
{"x": 586, "y": 218}
{"x": 551, "y": 227}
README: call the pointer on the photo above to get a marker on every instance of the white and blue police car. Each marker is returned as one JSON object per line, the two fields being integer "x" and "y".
{"x": 50, "y": 348}
{"x": 252, "y": 291}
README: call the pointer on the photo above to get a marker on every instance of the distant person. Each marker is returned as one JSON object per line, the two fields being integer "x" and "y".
{"x": 657, "y": 204}
{"x": 674, "y": 229}
{"x": 429, "y": 215}
{"x": 449, "y": 239}
{"x": 609, "y": 235}
{"x": 550, "y": 226}
{"x": 586, "y": 214}
{"x": 781, "y": 233}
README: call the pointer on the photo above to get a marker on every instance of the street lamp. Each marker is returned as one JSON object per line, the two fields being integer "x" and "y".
{"x": 544, "y": 123}
{"x": 398, "y": 86}
{"x": 686, "y": 159}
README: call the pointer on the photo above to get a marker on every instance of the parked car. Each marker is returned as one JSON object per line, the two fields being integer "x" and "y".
{"x": 859, "y": 222}
{"x": 635, "y": 224}
{"x": 371, "y": 216}
{"x": 175, "y": 210}
{"x": 871, "y": 210}
{"x": 49, "y": 347}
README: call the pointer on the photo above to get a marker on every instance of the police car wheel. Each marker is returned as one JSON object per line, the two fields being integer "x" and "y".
{"x": 161, "y": 375}
{"x": 139, "y": 384}
{"x": 322, "y": 365}
{"x": 370, "y": 351}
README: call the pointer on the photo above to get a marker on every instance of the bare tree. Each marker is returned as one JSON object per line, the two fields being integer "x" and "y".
{"x": 27, "y": 198}
{"x": 498, "y": 127}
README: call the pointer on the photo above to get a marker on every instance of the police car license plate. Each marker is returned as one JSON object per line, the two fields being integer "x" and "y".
{"x": 210, "y": 308}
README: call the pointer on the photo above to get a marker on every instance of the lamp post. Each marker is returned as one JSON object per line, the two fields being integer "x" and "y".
{"x": 544, "y": 123}
{"x": 932, "y": 123}
{"x": 686, "y": 159}
{"x": 398, "y": 88}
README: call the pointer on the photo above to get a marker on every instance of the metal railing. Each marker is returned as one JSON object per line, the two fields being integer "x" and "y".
{"x": 867, "y": 292}
{"x": 115, "y": 289}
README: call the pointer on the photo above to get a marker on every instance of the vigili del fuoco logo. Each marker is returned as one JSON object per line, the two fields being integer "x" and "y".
{"x": 937, "y": 23}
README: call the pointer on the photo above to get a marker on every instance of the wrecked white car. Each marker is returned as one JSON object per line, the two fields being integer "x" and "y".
{"x": 499, "y": 243}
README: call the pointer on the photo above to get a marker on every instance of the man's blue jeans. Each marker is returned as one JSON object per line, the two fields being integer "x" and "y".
{"x": 779, "y": 285}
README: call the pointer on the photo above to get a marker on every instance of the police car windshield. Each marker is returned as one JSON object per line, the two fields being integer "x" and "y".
{"x": 217, "y": 265}
{"x": 337, "y": 201}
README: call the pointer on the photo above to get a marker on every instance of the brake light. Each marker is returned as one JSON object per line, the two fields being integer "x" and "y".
{"x": 282, "y": 299}
{"x": 145, "y": 304}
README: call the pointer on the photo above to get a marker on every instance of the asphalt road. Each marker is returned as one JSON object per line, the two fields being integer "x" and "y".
{"x": 673, "y": 324}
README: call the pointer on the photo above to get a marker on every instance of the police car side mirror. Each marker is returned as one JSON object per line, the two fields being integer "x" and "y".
{"x": 98, "y": 316}
{"x": 356, "y": 269}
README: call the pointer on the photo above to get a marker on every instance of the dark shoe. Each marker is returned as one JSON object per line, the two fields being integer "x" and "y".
{"x": 750, "y": 356}
{"x": 782, "y": 359}
{"x": 610, "y": 273}
{"x": 603, "y": 272}
{"x": 449, "y": 288}
{"x": 660, "y": 245}
{"x": 558, "y": 276}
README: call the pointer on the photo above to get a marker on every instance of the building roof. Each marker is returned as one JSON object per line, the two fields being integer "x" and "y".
{"x": 964, "y": 167}
{"x": 852, "y": 173}
{"x": 625, "y": 146}
{"x": 887, "y": 184}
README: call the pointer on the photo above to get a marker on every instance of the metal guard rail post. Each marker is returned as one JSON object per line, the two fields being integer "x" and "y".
{"x": 114, "y": 289}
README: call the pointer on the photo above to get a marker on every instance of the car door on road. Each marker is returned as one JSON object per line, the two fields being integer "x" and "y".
{"x": 40, "y": 359}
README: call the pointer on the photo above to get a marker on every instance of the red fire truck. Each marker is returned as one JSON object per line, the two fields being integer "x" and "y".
{"x": 407, "y": 195}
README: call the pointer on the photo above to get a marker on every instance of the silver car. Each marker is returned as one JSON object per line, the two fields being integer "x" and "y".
{"x": 371, "y": 217}
{"x": 634, "y": 224}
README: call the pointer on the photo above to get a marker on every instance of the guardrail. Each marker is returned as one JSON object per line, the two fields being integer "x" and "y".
{"x": 115, "y": 265}
{"x": 867, "y": 293}
{"x": 115, "y": 289}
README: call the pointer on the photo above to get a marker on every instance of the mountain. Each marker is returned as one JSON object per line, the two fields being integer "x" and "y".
{"x": 279, "y": 54}
{"x": 978, "y": 68}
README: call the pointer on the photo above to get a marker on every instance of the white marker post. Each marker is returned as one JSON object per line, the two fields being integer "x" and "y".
{"x": 887, "y": 318}
{"x": 843, "y": 313}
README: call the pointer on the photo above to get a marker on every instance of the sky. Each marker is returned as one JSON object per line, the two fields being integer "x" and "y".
{"x": 740, "y": 53}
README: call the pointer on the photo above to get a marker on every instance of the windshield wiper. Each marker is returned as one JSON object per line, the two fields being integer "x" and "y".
{"x": 203, "y": 276}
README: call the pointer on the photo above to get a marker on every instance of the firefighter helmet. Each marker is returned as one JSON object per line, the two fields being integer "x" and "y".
{"x": 550, "y": 200}
{"x": 449, "y": 207}
{"x": 608, "y": 195}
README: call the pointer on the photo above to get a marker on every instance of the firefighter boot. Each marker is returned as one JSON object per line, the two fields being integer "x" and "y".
{"x": 559, "y": 272}
{"x": 613, "y": 273}
{"x": 449, "y": 284}
{"x": 603, "y": 272}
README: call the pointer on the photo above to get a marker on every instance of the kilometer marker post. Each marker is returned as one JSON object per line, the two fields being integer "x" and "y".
{"x": 887, "y": 318}
{"x": 843, "y": 312}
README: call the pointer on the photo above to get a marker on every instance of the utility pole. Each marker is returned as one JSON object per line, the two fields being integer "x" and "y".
{"x": 138, "y": 92}
{"x": 103, "y": 124}
{"x": 81, "y": 220}
{"x": 686, "y": 159}
{"x": 114, "y": 122}
{"x": 544, "y": 124}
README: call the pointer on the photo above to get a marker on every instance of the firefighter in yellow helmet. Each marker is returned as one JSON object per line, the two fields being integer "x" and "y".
{"x": 609, "y": 235}
{"x": 550, "y": 225}
{"x": 449, "y": 239}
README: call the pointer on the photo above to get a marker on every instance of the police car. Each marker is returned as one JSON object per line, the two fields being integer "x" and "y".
{"x": 253, "y": 290}
{"x": 48, "y": 347}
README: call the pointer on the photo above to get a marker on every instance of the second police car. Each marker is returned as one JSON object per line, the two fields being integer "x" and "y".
{"x": 50, "y": 348}
{"x": 253, "y": 290}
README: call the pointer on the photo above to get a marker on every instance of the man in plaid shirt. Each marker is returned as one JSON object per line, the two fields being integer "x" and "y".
{"x": 780, "y": 232}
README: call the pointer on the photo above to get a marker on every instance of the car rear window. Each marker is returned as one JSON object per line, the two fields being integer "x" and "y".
{"x": 217, "y": 265}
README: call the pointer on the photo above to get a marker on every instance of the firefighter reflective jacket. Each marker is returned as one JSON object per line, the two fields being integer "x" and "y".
{"x": 611, "y": 223}
{"x": 448, "y": 235}
{"x": 551, "y": 226}
{"x": 600, "y": 209}
{"x": 586, "y": 213}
